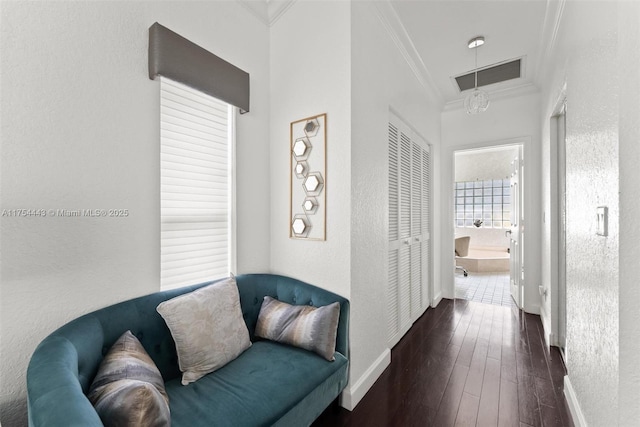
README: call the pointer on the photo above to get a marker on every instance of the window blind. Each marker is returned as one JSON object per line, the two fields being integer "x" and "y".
{"x": 196, "y": 136}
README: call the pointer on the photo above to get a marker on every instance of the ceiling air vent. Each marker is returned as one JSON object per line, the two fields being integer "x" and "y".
{"x": 494, "y": 74}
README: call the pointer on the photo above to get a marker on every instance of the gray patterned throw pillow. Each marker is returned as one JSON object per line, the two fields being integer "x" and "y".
{"x": 312, "y": 328}
{"x": 128, "y": 389}
{"x": 207, "y": 327}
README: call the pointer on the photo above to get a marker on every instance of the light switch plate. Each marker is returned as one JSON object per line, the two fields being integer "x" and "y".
{"x": 602, "y": 220}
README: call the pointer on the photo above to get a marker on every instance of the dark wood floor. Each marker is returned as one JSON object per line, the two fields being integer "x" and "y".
{"x": 465, "y": 364}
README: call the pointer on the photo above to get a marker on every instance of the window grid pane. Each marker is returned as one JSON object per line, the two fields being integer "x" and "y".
{"x": 489, "y": 201}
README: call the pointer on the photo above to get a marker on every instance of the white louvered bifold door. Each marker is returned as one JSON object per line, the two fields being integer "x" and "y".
{"x": 426, "y": 225}
{"x": 416, "y": 232}
{"x": 393, "y": 331}
{"x": 196, "y": 142}
{"x": 409, "y": 224}
{"x": 404, "y": 253}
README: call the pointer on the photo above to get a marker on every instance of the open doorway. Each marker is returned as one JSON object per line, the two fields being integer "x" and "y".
{"x": 487, "y": 219}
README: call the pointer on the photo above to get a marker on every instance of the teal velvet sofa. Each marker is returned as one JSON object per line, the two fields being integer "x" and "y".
{"x": 268, "y": 384}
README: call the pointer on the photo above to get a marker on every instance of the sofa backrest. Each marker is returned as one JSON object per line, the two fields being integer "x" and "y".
{"x": 77, "y": 348}
{"x": 254, "y": 287}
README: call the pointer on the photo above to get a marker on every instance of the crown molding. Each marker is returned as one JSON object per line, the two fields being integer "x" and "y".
{"x": 512, "y": 92}
{"x": 549, "y": 35}
{"x": 395, "y": 28}
{"x": 267, "y": 11}
{"x": 257, "y": 9}
{"x": 277, "y": 8}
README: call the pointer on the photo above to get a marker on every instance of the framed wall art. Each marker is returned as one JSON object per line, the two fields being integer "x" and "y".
{"x": 308, "y": 178}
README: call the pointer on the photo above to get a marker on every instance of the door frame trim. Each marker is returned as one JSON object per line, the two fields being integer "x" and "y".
{"x": 558, "y": 243}
{"x": 448, "y": 230}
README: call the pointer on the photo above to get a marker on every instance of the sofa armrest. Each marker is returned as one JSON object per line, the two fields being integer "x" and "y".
{"x": 54, "y": 394}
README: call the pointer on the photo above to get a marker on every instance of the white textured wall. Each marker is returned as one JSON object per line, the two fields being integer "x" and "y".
{"x": 310, "y": 74}
{"x": 484, "y": 164}
{"x": 507, "y": 119}
{"x": 80, "y": 129}
{"x": 588, "y": 63}
{"x": 344, "y": 53}
{"x": 629, "y": 137}
{"x": 380, "y": 79}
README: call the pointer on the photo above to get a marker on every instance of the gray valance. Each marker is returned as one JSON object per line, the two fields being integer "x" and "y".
{"x": 174, "y": 57}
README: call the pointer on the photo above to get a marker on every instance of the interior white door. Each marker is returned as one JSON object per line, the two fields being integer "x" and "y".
{"x": 405, "y": 234}
{"x": 515, "y": 232}
{"x": 409, "y": 222}
{"x": 417, "y": 287}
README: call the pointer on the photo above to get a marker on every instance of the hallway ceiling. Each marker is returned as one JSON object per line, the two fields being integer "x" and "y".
{"x": 432, "y": 35}
{"x": 440, "y": 30}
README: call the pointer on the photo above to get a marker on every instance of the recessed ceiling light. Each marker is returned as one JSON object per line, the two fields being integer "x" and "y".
{"x": 476, "y": 42}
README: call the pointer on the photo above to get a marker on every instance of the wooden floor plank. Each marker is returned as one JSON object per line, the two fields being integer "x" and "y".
{"x": 476, "y": 370}
{"x": 466, "y": 352}
{"x": 448, "y": 408}
{"x": 524, "y": 368}
{"x": 551, "y": 417}
{"x": 440, "y": 378}
{"x": 495, "y": 340}
{"x": 509, "y": 370}
{"x": 508, "y": 415}
{"x": 465, "y": 319}
{"x": 468, "y": 410}
{"x": 528, "y": 401}
{"x": 545, "y": 392}
{"x": 490, "y": 397}
{"x": 465, "y": 363}
{"x": 487, "y": 321}
{"x": 537, "y": 352}
{"x": 476, "y": 321}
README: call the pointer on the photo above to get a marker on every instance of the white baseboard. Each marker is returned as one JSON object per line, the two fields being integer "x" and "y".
{"x": 352, "y": 395}
{"x": 574, "y": 405}
{"x": 436, "y": 299}
{"x": 546, "y": 327}
{"x": 532, "y": 308}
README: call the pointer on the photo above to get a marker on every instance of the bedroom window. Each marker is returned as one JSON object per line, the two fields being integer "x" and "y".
{"x": 488, "y": 201}
{"x": 196, "y": 186}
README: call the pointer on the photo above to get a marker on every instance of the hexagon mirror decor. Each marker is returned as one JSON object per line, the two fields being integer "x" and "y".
{"x": 311, "y": 128}
{"x": 301, "y": 148}
{"x": 310, "y": 205}
{"x": 308, "y": 180}
{"x": 300, "y": 226}
{"x": 313, "y": 184}
{"x": 301, "y": 169}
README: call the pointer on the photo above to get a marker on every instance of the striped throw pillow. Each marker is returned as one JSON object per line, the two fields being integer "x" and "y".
{"x": 304, "y": 326}
{"x": 128, "y": 389}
